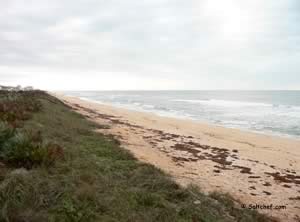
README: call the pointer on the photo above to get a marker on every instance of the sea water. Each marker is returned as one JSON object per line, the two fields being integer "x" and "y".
{"x": 270, "y": 112}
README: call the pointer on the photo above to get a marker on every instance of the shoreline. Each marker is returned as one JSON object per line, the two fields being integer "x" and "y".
{"x": 253, "y": 168}
{"x": 186, "y": 118}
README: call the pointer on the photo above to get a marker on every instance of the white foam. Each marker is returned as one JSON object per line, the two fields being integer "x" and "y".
{"x": 224, "y": 103}
{"x": 147, "y": 106}
{"x": 91, "y": 100}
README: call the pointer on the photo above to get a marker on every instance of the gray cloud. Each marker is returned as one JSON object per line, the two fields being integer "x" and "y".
{"x": 191, "y": 44}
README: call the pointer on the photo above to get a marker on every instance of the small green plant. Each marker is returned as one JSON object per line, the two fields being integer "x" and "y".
{"x": 74, "y": 211}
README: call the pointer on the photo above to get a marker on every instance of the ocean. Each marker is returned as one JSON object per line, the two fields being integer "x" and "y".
{"x": 268, "y": 112}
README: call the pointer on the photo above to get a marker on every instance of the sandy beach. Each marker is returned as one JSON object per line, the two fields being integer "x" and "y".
{"x": 253, "y": 168}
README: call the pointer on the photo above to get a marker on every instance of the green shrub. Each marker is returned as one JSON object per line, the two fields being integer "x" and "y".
{"x": 15, "y": 107}
{"x": 23, "y": 149}
{"x": 74, "y": 211}
{"x": 6, "y": 132}
{"x": 28, "y": 151}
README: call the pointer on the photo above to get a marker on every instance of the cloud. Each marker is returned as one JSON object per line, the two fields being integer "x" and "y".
{"x": 150, "y": 44}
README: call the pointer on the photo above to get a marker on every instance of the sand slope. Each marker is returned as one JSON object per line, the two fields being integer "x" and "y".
{"x": 253, "y": 168}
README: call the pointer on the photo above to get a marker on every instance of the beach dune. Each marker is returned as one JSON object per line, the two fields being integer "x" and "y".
{"x": 255, "y": 169}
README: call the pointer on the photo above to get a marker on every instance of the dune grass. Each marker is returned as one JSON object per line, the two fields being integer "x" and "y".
{"x": 97, "y": 180}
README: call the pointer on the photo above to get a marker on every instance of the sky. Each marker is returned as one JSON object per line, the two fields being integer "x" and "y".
{"x": 150, "y": 44}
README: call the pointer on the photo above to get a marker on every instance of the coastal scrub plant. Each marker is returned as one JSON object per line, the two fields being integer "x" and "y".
{"x": 16, "y": 107}
{"x": 23, "y": 149}
{"x": 28, "y": 150}
{"x": 6, "y": 132}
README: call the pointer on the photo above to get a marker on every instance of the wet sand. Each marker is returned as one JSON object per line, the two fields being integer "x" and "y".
{"x": 253, "y": 168}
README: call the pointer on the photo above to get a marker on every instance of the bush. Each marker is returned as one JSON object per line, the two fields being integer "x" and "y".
{"x": 23, "y": 149}
{"x": 28, "y": 151}
{"x": 15, "y": 107}
{"x": 6, "y": 132}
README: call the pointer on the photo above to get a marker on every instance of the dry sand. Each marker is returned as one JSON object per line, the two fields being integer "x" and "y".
{"x": 253, "y": 168}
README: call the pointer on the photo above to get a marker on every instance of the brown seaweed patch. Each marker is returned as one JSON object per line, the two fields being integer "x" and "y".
{"x": 147, "y": 137}
{"x": 252, "y": 182}
{"x": 254, "y": 161}
{"x": 183, "y": 147}
{"x": 234, "y": 156}
{"x": 120, "y": 122}
{"x": 153, "y": 143}
{"x": 223, "y": 167}
{"x": 198, "y": 145}
{"x": 267, "y": 193}
{"x": 254, "y": 177}
{"x": 218, "y": 155}
{"x": 267, "y": 184}
{"x": 96, "y": 114}
{"x": 183, "y": 159}
{"x": 284, "y": 178}
{"x": 245, "y": 170}
{"x": 294, "y": 198}
{"x": 180, "y": 159}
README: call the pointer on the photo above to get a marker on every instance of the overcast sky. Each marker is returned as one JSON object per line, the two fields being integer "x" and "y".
{"x": 150, "y": 44}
